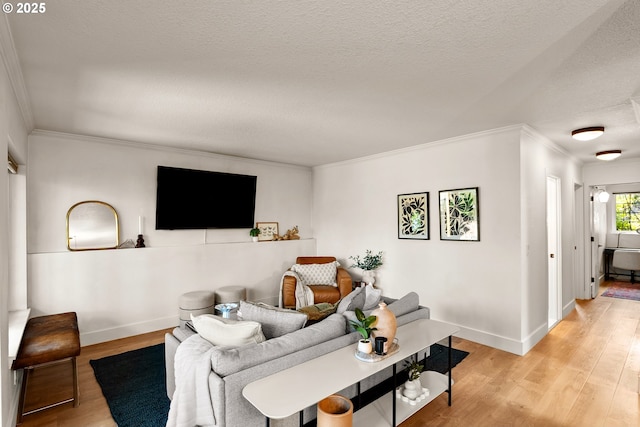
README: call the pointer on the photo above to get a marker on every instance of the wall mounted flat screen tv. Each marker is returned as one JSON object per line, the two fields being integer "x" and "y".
{"x": 196, "y": 199}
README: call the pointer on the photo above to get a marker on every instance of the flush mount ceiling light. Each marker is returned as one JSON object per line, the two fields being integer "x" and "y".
{"x": 587, "y": 134}
{"x": 608, "y": 155}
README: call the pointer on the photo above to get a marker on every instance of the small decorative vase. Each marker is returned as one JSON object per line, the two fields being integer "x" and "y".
{"x": 369, "y": 277}
{"x": 386, "y": 324}
{"x": 364, "y": 346}
{"x": 254, "y": 238}
{"x": 412, "y": 389}
{"x": 335, "y": 411}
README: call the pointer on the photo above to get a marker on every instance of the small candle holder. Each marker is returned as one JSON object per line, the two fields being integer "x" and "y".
{"x": 140, "y": 241}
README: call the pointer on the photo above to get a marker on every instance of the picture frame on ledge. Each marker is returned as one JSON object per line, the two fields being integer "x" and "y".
{"x": 460, "y": 214}
{"x": 267, "y": 231}
{"x": 413, "y": 216}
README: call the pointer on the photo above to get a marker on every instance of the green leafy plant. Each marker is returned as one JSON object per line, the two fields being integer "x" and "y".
{"x": 254, "y": 232}
{"x": 627, "y": 211}
{"x": 461, "y": 213}
{"x": 368, "y": 262}
{"x": 414, "y": 369}
{"x": 363, "y": 324}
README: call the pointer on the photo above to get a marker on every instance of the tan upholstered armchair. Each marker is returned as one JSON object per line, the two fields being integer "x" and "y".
{"x": 321, "y": 293}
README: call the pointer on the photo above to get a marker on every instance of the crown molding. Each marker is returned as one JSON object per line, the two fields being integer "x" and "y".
{"x": 528, "y": 130}
{"x": 157, "y": 147}
{"x": 14, "y": 71}
{"x": 419, "y": 147}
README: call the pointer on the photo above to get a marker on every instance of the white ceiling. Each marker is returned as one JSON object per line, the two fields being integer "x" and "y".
{"x": 314, "y": 82}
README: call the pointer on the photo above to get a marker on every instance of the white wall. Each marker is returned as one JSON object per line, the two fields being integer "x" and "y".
{"x": 13, "y": 135}
{"x": 118, "y": 293}
{"x": 539, "y": 159}
{"x": 471, "y": 284}
{"x": 17, "y": 298}
{"x": 620, "y": 171}
{"x": 495, "y": 289}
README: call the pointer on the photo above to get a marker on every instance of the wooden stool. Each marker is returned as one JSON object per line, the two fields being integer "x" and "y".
{"x": 48, "y": 340}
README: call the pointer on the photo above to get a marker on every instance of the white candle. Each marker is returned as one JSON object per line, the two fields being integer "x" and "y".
{"x": 140, "y": 224}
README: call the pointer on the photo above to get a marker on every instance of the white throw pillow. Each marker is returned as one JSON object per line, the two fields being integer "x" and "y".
{"x": 227, "y": 332}
{"x": 317, "y": 274}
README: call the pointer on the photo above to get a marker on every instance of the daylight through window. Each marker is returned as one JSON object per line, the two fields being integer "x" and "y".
{"x": 627, "y": 211}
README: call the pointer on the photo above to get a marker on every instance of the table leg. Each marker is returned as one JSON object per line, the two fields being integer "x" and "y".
{"x": 450, "y": 363}
{"x": 267, "y": 418}
{"x": 393, "y": 397}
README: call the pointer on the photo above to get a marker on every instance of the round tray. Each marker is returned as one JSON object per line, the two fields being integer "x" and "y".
{"x": 373, "y": 357}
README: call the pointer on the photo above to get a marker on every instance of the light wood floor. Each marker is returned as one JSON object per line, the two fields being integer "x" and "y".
{"x": 583, "y": 373}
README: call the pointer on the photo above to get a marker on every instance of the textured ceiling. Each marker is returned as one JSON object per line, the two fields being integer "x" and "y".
{"x": 315, "y": 82}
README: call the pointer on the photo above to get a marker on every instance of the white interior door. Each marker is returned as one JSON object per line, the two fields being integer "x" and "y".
{"x": 553, "y": 246}
{"x": 598, "y": 239}
{"x": 580, "y": 285}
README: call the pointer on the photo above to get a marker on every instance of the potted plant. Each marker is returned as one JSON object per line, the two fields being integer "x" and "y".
{"x": 413, "y": 386}
{"x": 368, "y": 264}
{"x": 254, "y": 232}
{"x": 364, "y": 326}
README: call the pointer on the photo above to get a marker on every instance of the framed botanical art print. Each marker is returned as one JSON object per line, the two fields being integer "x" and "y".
{"x": 459, "y": 215}
{"x": 413, "y": 216}
{"x": 267, "y": 230}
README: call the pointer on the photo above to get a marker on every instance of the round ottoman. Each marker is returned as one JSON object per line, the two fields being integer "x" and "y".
{"x": 228, "y": 294}
{"x": 196, "y": 303}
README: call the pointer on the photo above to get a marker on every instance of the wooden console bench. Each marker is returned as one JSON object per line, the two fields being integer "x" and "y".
{"x": 47, "y": 340}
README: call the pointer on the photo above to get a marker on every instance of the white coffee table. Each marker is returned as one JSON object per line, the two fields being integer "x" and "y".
{"x": 275, "y": 396}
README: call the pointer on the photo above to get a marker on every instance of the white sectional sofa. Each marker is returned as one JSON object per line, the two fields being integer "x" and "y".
{"x": 231, "y": 369}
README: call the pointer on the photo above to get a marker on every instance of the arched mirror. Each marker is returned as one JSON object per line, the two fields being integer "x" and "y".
{"x": 92, "y": 225}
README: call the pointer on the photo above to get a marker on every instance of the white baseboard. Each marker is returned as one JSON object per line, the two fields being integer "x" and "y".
{"x": 568, "y": 308}
{"x": 491, "y": 340}
{"x": 529, "y": 342}
{"x": 508, "y": 344}
{"x": 124, "y": 331}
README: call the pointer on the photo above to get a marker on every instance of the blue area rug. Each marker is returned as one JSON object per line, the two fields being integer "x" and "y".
{"x": 438, "y": 359}
{"x": 134, "y": 385}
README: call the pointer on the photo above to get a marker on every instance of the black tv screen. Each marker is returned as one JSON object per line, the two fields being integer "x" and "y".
{"x": 195, "y": 199}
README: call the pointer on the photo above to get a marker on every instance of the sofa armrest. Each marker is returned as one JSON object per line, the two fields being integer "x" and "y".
{"x": 289, "y": 292}
{"x": 345, "y": 284}
{"x": 171, "y": 344}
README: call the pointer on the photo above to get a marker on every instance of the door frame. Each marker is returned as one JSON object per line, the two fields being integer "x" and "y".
{"x": 554, "y": 249}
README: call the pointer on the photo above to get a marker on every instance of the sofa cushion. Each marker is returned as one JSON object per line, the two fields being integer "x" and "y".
{"x": 355, "y": 298}
{"x": 317, "y": 274}
{"x": 408, "y": 303}
{"x": 372, "y": 297}
{"x": 227, "y": 332}
{"x": 275, "y": 321}
{"x": 226, "y": 361}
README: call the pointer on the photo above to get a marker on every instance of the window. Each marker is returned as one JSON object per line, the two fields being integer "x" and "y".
{"x": 627, "y": 211}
